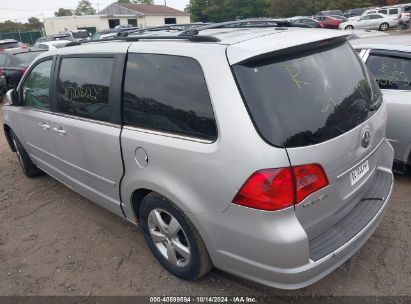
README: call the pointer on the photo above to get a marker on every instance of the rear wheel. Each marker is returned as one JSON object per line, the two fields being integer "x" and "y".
{"x": 28, "y": 167}
{"x": 349, "y": 27}
{"x": 173, "y": 239}
{"x": 384, "y": 26}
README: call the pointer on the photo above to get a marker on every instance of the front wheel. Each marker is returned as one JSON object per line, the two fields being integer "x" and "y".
{"x": 384, "y": 26}
{"x": 349, "y": 27}
{"x": 173, "y": 239}
{"x": 28, "y": 167}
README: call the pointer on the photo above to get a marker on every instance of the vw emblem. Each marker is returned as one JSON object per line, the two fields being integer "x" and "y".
{"x": 366, "y": 137}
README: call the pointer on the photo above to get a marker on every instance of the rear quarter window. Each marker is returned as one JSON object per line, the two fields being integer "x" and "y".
{"x": 168, "y": 93}
{"x": 392, "y": 72}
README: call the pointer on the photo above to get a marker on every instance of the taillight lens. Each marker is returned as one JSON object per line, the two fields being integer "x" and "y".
{"x": 308, "y": 179}
{"x": 275, "y": 189}
{"x": 270, "y": 189}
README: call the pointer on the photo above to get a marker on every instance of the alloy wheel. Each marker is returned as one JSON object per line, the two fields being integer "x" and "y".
{"x": 169, "y": 237}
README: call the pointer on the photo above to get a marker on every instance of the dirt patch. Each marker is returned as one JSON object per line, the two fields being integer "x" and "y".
{"x": 55, "y": 242}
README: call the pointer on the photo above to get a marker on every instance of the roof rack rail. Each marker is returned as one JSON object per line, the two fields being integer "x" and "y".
{"x": 246, "y": 23}
{"x": 196, "y": 38}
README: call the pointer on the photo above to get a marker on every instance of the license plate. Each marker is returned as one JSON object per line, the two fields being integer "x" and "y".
{"x": 359, "y": 172}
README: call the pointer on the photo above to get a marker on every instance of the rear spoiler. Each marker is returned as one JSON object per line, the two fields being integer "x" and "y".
{"x": 291, "y": 42}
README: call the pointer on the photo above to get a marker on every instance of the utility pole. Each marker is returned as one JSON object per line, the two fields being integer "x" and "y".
{"x": 165, "y": 2}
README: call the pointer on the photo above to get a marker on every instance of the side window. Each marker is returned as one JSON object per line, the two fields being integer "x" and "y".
{"x": 392, "y": 73}
{"x": 40, "y": 47}
{"x": 168, "y": 93}
{"x": 36, "y": 87}
{"x": 393, "y": 11}
{"x": 383, "y": 12}
{"x": 3, "y": 58}
{"x": 83, "y": 87}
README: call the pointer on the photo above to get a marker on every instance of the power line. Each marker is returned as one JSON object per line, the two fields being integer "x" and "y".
{"x": 32, "y": 9}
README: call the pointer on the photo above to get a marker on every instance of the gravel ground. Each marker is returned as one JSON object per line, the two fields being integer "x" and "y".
{"x": 55, "y": 242}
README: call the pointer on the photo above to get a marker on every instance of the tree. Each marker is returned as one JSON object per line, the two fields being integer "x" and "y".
{"x": 84, "y": 7}
{"x": 136, "y": 1}
{"x": 34, "y": 21}
{"x": 63, "y": 12}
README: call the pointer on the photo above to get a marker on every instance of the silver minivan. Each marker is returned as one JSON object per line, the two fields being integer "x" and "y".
{"x": 259, "y": 151}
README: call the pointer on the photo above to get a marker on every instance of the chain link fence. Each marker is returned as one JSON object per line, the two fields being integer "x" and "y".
{"x": 25, "y": 37}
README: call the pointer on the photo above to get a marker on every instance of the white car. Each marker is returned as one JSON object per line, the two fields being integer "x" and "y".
{"x": 371, "y": 22}
{"x": 49, "y": 45}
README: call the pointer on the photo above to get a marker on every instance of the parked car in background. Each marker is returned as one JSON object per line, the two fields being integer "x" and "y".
{"x": 14, "y": 64}
{"x": 405, "y": 14}
{"x": 393, "y": 12}
{"x": 319, "y": 15}
{"x": 389, "y": 60}
{"x": 80, "y": 35}
{"x": 105, "y": 34}
{"x": 372, "y": 22}
{"x": 330, "y": 22}
{"x": 60, "y": 36}
{"x": 311, "y": 22}
{"x": 49, "y": 45}
{"x": 356, "y": 12}
{"x": 155, "y": 131}
{"x": 12, "y": 44}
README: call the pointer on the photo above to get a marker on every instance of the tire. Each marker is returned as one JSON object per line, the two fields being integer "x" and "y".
{"x": 349, "y": 27}
{"x": 28, "y": 167}
{"x": 384, "y": 26}
{"x": 188, "y": 258}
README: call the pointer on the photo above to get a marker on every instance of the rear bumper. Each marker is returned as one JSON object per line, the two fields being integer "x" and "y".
{"x": 273, "y": 249}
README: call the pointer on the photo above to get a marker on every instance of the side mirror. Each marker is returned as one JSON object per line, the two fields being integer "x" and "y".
{"x": 12, "y": 97}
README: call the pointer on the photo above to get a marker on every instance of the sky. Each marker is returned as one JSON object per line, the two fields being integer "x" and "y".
{"x": 20, "y": 10}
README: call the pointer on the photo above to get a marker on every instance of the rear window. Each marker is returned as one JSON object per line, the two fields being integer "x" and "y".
{"x": 307, "y": 98}
{"x": 82, "y": 34}
{"x": 24, "y": 59}
{"x": 9, "y": 45}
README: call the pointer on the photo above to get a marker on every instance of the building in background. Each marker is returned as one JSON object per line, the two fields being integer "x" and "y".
{"x": 141, "y": 15}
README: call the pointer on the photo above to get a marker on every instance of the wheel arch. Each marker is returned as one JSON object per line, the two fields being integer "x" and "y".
{"x": 7, "y": 132}
{"x": 136, "y": 199}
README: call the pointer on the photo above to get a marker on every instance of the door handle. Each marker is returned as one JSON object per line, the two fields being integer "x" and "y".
{"x": 44, "y": 126}
{"x": 60, "y": 131}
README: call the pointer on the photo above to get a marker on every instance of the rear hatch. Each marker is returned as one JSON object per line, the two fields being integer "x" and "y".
{"x": 319, "y": 103}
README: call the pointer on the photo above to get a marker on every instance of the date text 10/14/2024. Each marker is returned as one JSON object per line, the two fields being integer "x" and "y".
{"x": 203, "y": 299}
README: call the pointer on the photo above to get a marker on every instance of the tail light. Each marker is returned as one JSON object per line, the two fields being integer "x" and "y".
{"x": 275, "y": 189}
{"x": 23, "y": 70}
{"x": 308, "y": 179}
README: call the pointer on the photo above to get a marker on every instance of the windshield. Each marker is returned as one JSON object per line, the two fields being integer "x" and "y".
{"x": 24, "y": 59}
{"x": 308, "y": 98}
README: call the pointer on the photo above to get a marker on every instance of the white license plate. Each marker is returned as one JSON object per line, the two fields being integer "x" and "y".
{"x": 359, "y": 172}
